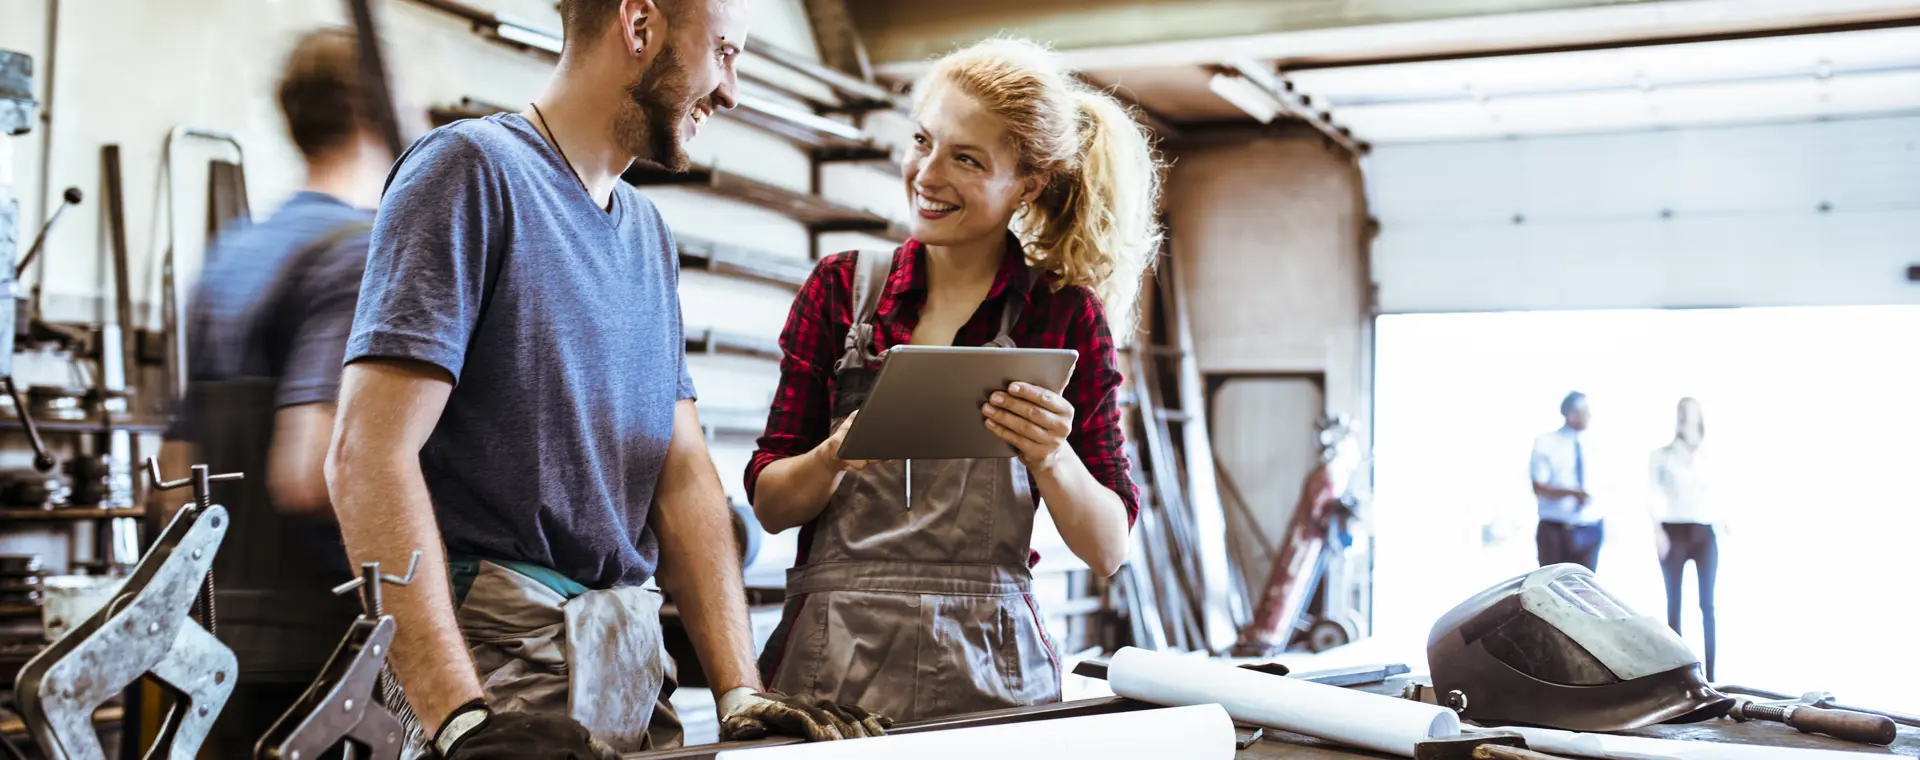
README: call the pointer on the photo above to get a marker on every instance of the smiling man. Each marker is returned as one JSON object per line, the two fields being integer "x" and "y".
{"x": 516, "y": 406}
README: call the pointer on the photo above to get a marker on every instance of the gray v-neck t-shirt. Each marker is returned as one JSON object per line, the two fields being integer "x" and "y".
{"x": 560, "y": 324}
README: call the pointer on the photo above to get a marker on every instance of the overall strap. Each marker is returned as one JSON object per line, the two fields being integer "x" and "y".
{"x": 870, "y": 270}
{"x": 1009, "y": 314}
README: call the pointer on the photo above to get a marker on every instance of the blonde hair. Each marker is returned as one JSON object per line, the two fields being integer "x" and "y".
{"x": 1095, "y": 223}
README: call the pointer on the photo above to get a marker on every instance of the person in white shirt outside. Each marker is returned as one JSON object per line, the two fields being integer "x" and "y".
{"x": 1685, "y": 515}
{"x": 1570, "y": 529}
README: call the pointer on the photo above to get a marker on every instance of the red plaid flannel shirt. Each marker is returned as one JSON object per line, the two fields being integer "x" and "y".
{"x": 815, "y": 338}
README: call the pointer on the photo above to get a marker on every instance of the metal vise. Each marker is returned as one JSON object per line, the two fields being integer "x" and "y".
{"x": 144, "y": 631}
{"x": 340, "y": 705}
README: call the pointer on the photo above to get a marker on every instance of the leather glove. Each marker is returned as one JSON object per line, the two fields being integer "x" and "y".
{"x": 474, "y": 732}
{"x": 747, "y": 714}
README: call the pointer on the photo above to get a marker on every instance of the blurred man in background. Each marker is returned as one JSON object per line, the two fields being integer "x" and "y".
{"x": 1570, "y": 529}
{"x": 268, "y": 328}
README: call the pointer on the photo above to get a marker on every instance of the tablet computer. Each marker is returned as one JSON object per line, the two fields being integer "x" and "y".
{"x": 925, "y": 403}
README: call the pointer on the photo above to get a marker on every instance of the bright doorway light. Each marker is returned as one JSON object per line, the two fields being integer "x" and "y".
{"x": 1812, "y": 413}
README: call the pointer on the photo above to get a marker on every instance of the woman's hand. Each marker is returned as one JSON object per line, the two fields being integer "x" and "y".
{"x": 829, "y": 450}
{"x": 1035, "y": 421}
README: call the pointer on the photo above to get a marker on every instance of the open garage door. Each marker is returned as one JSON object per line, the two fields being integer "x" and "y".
{"x": 1810, "y": 422}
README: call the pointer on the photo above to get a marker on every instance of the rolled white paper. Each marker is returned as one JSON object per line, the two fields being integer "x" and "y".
{"x": 1643, "y": 748}
{"x": 1372, "y": 721}
{"x": 1202, "y": 732}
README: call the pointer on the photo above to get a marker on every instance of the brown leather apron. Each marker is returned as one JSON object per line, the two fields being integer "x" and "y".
{"x": 915, "y": 605}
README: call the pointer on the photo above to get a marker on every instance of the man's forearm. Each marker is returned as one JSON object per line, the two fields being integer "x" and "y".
{"x": 699, "y": 563}
{"x": 386, "y": 515}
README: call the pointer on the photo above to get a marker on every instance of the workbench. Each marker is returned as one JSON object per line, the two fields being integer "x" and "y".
{"x": 1281, "y": 744}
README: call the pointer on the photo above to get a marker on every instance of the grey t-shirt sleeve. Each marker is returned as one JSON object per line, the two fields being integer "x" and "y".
{"x": 439, "y": 222}
{"x": 330, "y": 289}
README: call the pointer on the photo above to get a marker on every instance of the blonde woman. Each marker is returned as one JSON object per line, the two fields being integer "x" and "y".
{"x": 1685, "y": 514}
{"x": 1033, "y": 200}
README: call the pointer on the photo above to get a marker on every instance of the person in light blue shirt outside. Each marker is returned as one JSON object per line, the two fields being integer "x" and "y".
{"x": 1570, "y": 530}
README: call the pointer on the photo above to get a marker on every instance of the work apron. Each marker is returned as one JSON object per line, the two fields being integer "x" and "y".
{"x": 915, "y": 605}
{"x": 598, "y": 657}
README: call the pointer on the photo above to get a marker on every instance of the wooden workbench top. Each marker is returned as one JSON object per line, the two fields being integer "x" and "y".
{"x": 1291, "y": 746}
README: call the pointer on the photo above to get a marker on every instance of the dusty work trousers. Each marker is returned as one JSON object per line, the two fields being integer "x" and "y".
{"x": 598, "y": 657}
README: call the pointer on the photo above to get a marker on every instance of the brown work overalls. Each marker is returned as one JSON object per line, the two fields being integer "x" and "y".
{"x": 915, "y": 605}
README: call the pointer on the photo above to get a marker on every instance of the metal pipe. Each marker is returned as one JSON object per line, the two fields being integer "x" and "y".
{"x": 373, "y": 74}
{"x": 1896, "y": 22}
{"x": 174, "y": 318}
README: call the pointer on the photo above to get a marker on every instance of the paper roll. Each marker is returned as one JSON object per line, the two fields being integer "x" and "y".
{"x": 1383, "y": 724}
{"x": 1202, "y": 732}
{"x": 1642, "y": 748}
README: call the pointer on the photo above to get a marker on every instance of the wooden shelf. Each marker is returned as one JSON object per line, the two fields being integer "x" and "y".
{"x": 12, "y": 422}
{"x": 824, "y": 138}
{"x": 105, "y": 716}
{"x": 725, "y": 258}
{"x": 729, "y": 422}
{"x": 57, "y": 514}
{"x": 855, "y": 94}
{"x": 819, "y": 214}
{"x": 831, "y": 140}
{"x": 711, "y": 341}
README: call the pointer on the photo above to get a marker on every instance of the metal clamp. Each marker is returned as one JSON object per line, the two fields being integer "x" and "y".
{"x": 340, "y": 705}
{"x": 144, "y": 631}
{"x": 369, "y": 585}
{"x": 202, "y": 483}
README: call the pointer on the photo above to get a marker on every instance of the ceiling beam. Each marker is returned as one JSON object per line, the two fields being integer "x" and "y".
{"x": 1158, "y": 125}
{"x": 1366, "y": 38}
{"x": 1682, "y": 38}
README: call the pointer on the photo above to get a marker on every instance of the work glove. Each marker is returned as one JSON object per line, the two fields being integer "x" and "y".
{"x": 747, "y": 714}
{"x": 474, "y": 732}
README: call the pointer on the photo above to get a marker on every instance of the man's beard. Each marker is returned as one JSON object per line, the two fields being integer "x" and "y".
{"x": 648, "y": 124}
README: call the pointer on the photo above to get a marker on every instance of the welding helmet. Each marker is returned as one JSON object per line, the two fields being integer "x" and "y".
{"x": 1550, "y": 648}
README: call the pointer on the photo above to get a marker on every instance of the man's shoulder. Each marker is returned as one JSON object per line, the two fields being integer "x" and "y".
{"x": 492, "y": 140}
{"x": 1549, "y": 440}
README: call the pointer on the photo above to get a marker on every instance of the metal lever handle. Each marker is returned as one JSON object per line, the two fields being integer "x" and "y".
{"x": 369, "y": 584}
{"x": 153, "y": 474}
{"x": 42, "y": 461}
{"x": 200, "y": 480}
